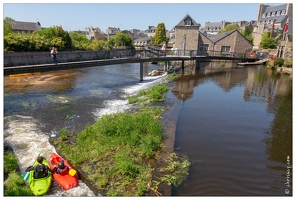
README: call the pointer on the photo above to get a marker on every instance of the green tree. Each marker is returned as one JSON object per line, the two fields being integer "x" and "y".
{"x": 57, "y": 37}
{"x": 123, "y": 39}
{"x": 110, "y": 43}
{"x": 248, "y": 34}
{"x": 96, "y": 44}
{"x": 7, "y": 26}
{"x": 229, "y": 27}
{"x": 267, "y": 42}
{"x": 160, "y": 34}
{"x": 79, "y": 41}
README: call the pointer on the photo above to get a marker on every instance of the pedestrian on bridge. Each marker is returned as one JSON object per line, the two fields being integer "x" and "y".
{"x": 53, "y": 54}
{"x": 164, "y": 48}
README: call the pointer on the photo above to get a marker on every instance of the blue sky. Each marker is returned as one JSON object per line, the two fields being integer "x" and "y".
{"x": 126, "y": 16}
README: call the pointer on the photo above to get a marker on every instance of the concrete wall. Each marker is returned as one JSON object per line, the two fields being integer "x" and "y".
{"x": 34, "y": 58}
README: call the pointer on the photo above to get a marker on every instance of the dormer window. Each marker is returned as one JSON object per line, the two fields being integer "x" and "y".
{"x": 188, "y": 22}
{"x": 283, "y": 12}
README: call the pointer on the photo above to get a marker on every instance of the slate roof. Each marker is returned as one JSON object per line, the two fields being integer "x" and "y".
{"x": 194, "y": 23}
{"x": 220, "y": 36}
{"x": 25, "y": 26}
{"x": 279, "y": 18}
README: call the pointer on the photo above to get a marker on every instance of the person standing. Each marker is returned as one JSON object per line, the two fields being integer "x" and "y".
{"x": 53, "y": 54}
{"x": 164, "y": 48}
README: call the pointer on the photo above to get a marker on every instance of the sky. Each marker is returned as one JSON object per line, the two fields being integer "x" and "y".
{"x": 127, "y": 16}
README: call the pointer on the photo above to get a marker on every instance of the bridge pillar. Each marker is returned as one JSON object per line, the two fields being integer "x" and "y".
{"x": 166, "y": 66}
{"x": 141, "y": 71}
{"x": 197, "y": 64}
{"x": 182, "y": 64}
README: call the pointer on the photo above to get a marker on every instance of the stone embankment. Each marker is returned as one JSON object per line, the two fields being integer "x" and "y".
{"x": 285, "y": 70}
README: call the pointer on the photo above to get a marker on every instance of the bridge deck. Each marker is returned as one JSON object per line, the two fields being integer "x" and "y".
{"x": 91, "y": 63}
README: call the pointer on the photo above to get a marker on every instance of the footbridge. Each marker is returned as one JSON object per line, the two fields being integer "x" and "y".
{"x": 146, "y": 55}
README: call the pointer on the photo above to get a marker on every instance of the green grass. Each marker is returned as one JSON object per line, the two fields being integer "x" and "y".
{"x": 114, "y": 152}
{"x": 14, "y": 185}
{"x": 155, "y": 93}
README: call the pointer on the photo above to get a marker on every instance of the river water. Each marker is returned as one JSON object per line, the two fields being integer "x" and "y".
{"x": 234, "y": 123}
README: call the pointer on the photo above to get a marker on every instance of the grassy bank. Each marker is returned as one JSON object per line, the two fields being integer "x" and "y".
{"x": 14, "y": 185}
{"x": 119, "y": 151}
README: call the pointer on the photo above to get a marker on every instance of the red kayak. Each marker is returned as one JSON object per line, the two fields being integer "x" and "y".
{"x": 67, "y": 179}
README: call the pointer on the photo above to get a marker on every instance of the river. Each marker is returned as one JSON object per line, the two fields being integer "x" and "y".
{"x": 233, "y": 123}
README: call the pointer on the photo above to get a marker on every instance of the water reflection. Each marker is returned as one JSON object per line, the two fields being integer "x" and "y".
{"x": 236, "y": 128}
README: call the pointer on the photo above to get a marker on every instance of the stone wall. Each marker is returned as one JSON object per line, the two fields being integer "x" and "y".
{"x": 238, "y": 43}
{"x": 35, "y": 58}
{"x": 191, "y": 37}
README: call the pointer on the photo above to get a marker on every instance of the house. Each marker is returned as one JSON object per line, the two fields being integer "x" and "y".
{"x": 25, "y": 27}
{"x": 229, "y": 43}
{"x": 271, "y": 19}
{"x": 188, "y": 38}
{"x": 212, "y": 28}
{"x": 111, "y": 31}
{"x": 92, "y": 33}
{"x": 141, "y": 40}
{"x": 151, "y": 31}
{"x": 186, "y": 34}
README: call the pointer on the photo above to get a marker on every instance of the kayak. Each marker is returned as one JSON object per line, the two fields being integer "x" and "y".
{"x": 68, "y": 180}
{"x": 40, "y": 186}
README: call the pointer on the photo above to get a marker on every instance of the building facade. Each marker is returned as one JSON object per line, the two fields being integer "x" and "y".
{"x": 271, "y": 19}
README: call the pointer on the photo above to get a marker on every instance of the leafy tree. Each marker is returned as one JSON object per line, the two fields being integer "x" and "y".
{"x": 79, "y": 41}
{"x": 229, "y": 27}
{"x": 160, "y": 34}
{"x": 248, "y": 34}
{"x": 110, "y": 43}
{"x": 57, "y": 37}
{"x": 267, "y": 42}
{"x": 123, "y": 39}
{"x": 96, "y": 45}
{"x": 7, "y": 26}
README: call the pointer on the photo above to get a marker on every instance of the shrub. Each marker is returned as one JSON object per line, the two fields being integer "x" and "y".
{"x": 279, "y": 62}
{"x": 288, "y": 63}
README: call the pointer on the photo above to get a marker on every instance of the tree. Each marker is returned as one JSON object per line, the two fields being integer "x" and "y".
{"x": 229, "y": 27}
{"x": 248, "y": 34}
{"x": 267, "y": 42}
{"x": 7, "y": 26}
{"x": 79, "y": 41}
{"x": 160, "y": 34}
{"x": 123, "y": 39}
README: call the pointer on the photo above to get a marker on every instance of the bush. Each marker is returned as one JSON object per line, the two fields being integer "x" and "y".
{"x": 288, "y": 63}
{"x": 279, "y": 62}
{"x": 10, "y": 163}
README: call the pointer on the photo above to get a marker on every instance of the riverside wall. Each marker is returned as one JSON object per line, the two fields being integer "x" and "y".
{"x": 34, "y": 58}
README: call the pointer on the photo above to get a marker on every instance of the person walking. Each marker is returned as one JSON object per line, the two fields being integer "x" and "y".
{"x": 53, "y": 54}
{"x": 164, "y": 48}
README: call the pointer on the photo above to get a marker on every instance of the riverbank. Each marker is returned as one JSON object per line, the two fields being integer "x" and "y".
{"x": 163, "y": 167}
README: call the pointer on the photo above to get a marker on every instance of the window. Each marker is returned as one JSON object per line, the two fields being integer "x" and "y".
{"x": 263, "y": 16}
{"x": 268, "y": 14}
{"x": 187, "y": 22}
{"x": 278, "y": 13}
{"x": 283, "y": 12}
{"x": 225, "y": 49}
{"x": 203, "y": 47}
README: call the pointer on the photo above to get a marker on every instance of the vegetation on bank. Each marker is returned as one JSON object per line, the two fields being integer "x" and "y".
{"x": 119, "y": 152}
{"x": 44, "y": 39}
{"x": 14, "y": 185}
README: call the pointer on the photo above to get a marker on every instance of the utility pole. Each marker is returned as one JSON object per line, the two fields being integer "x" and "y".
{"x": 272, "y": 30}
